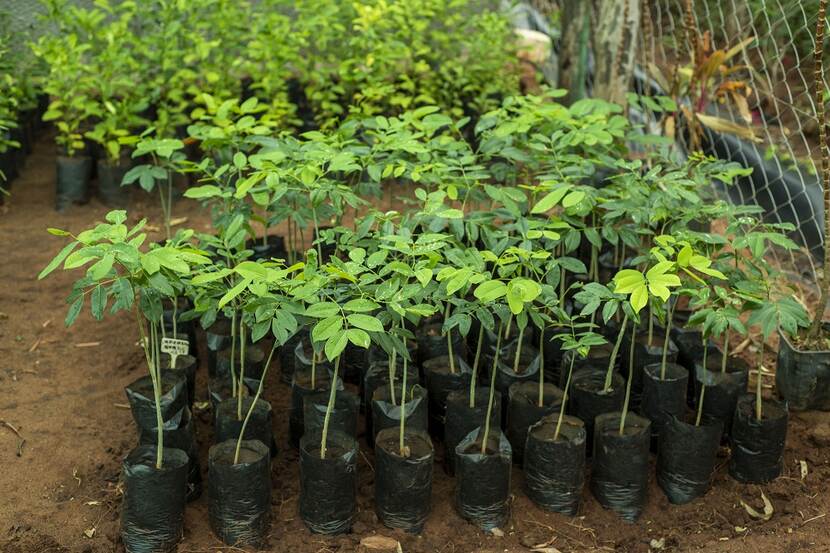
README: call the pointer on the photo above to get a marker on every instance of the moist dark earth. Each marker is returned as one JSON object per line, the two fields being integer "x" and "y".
{"x": 62, "y": 390}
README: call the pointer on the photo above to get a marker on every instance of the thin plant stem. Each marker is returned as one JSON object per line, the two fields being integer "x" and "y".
{"x": 725, "y": 354}
{"x": 610, "y": 372}
{"x": 492, "y": 392}
{"x": 241, "y": 370}
{"x": 401, "y": 444}
{"x": 702, "y": 385}
{"x": 156, "y": 379}
{"x": 393, "y": 361}
{"x": 253, "y": 404}
{"x": 564, "y": 397}
{"x": 518, "y": 355}
{"x": 628, "y": 386}
{"x": 449, "y": 341}
{"x": 666, "y": 339}
{"x": 759, "y": 409}
{"x": 542, "y": 366}
{"x": 329, "y": 408}
{"x": 233, "y": 356}
{"x": 476, "y": 360}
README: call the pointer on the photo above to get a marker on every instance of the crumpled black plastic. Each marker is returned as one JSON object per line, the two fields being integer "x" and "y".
{"x": 217, "y": 338}
{"x": 461, "y": 420}
{"x": 227, "y": 424}
{"x": 646, "y": 354}
{"x": 482, "y": 490}
{"x": 296, "y": 422}
{"x": 664, "y": 398}
{"x": 555, "y": 471}
{"x": 187, "y": 364}
{"x": 239, "y": 505}
{"x": 385, "y": 415}
{"x": 328, "y": 487}
{"x": 152, "y": 511}
{"x": 686, "y": 458}
{"x": 586, "y": 401}
{"x": 619, "y": 478}
{"x": 221, "y": 388}
{"x": 172, "y": 401}
{"x": 403, "y": 485}
{"x": 439, "y": 385}
{"x": 722, "y": 389}
{"x": 343, "y": 417}
{"x": 758, "y": 446}
{"x": 802, "y": 378}
{"x": 182, "y": 437}
{"x": 523, "y": 411}
{"x": 432, "y": 345}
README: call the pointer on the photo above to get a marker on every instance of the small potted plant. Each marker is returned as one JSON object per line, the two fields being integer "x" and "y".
{"x": 155, "y": 476}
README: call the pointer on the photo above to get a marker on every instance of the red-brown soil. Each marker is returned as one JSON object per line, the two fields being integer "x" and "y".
{"x": 59, "y": 492}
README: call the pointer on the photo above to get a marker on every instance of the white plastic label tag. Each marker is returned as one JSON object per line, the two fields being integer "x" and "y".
{"x": 174, "y": 346}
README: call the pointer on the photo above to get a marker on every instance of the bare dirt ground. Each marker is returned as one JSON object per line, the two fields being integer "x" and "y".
{"x": 62, "y": 390}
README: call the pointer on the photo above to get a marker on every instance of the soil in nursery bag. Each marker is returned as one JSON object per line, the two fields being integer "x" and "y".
{"x": 221, "y": 388}
{"x": 403, "y": 482}
{"x": 173, "y": 399}
{"x": 757, "y": 445}
{"x": 597, "y": 359}
{"x": 645, "y": 354}
{"x": 463, "y": 419}
{"x": 343, "y": 417}
{"x": 619, "y": 477}
{"x": 588, "y": 400}
{"x": 217, "y": 338}
{"x": 385, "y": 414}
{"x": 72, "y": 182}
{"x": 555, "y": 468}
{"x": 802, "y": 377}
{"x": 300, "y": 388}
{"x": 686, "y": 458}
{"x": 722, "y": 389}
{"x": 254, "y": 363}
{"x": 528, "y": 371}
{"x": 378, "y": 374}
{"x": 523, "y": 411}
{"x": 663, "y": 398}
{"x": 110, "y": 176}
{"x": 182, "y": 437}
{"x": 431, "y": 343}
{"x": 152, "y": 510}
{"x": 227, "y": 423}
{"x": 440, "y": 382}
{"x": 274, "y": 246}
{"x": 482, "y": 492}
{"x": 239, "y": 495}
{"x": 328, "y": 487}
{"x": 186, "y": 365}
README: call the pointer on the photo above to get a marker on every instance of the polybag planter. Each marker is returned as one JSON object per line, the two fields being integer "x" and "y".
{"x": 482, "y": 490}
{"x": 343, "y": 416}
{"x": 523, "y": 411}
{"x": 440, "y": 382}
{"x": 172, "y": 401}
{"x": 72, "y": 182}
{"x": 187, "y": 364}
{"x": 506, "y": 377}
{"x": 239, "y": 505}
{"x": 220, "y": 388}
{"x": 758, "y": 445}
{"x": 152, "y": 511}
{"x": 300, "y": 388}
{"x": 386, "y": 415}
{"x": 217, "y": 337}
{"x": 182, "y": 437}
{"x": 648, "y": 354}
{"x": 274, "y": 246}
{"x": 228, "y": 425}
{"x": 597, "y": 359}
{"x": 403, "y": 484}
{"x": 255, "y": 358}
{"x": 686, "y": 458}
{"x": 722, "y": 389}
{"x": 588, "y": 401}
{"x": 555, "y": 469}
{"x": 328, "y": 487}
{"x": 619, "y": 478}
{"x": 802, "y": 377}
{"x": 663, "y": 398}
{"x": 463, "y": 419}
{"x": 432, "y": 343}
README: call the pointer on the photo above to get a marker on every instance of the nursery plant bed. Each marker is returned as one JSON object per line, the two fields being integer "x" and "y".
{"x": 74, "y": 448}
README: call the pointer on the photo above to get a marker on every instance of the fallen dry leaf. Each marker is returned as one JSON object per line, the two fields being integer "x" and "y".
{"x": 381, "y": 543}
{"x": 89, "y": 532}
{"x": 768, "y": 510}
{"x": 803, "y": 465}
